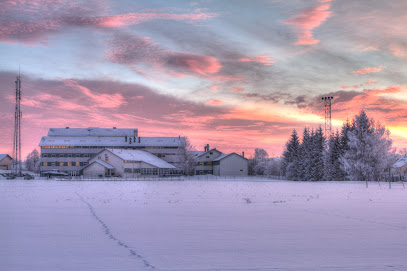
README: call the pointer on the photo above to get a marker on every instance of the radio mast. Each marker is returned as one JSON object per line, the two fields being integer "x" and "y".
{"x": 16, "y": 166}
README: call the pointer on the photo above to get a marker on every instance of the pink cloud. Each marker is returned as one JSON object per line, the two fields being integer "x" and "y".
{"x": 369, "y": 70}
{"x": 216, "y": 102}
{"x": 371, "y": 82}
{"x": 137, "y": 18}
{"x": 237, "y": 89}
{"x": 306, "y": 21}
{"x": 214, "y": 88}
{"x": 266, "y": 60}
{"x": 102, "y": 100}
{"x": 132, "y": 50}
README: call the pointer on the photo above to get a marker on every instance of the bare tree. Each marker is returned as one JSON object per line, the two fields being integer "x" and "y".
{"x": 186, "y": 156}
{"x": 32, "y": 162}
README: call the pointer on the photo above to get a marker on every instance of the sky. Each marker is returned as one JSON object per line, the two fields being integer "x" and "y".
{"x": 233, "y": 74}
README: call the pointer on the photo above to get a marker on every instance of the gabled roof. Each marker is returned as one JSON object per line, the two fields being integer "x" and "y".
{"x": 224, "y": 155}
{"x": 401, "y": 162}
{"x": 2, "y": 156}
{"x": 142, "y": 156}
{"x": 203, "y": 153}
{"x": 103, "y": 163}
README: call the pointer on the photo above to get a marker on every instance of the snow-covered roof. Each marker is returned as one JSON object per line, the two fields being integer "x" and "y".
{"x": 110, "y": 141}
{"x": 197, "y": 153}
{"x": 91, "y": 131}
{"x": 2, "y": 156}
{"x": 143, "y": 156}
{"x": 401, "y": 162}
{"x": 224, "y": 155}
{"x": 204, "y": 152}
{"x": 103, "y": 163}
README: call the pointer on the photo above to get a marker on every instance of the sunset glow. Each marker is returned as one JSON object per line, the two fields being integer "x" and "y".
{"x": 233, "y": 74}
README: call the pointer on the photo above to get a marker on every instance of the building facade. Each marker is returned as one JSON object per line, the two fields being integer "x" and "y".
{"x": 69, "y": 150}
{"x": 127, "y": 163}
{"x": 5, "y": 162}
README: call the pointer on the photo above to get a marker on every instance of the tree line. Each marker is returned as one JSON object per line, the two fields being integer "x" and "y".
{"x": 361, "y": 151}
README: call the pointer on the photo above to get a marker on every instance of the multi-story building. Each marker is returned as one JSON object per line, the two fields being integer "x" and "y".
{"x": 70, "y": 149}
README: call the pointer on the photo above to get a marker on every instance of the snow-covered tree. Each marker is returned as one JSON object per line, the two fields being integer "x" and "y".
{"x": 32, "y": 162}
{"x": 369, "y": 150}
{"x": 305, "y": 154}
{"x": 187, "y": 159}
{"x": 290, "y": 164}
{"x": 317, "y": 155}
{"x": 260, "y": 153}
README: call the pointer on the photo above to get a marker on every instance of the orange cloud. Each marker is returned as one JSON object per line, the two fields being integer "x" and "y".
{"x": 369, "y": 70}
{"x": 307, "y": 20}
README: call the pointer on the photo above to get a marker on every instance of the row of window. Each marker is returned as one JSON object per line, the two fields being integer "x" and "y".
{"x": 152, "y": 171}
{"x": 68, "y": 154}
{"x": 64, "y": 164}
{"x": 90, "y": 154}
{"x": 204, "y": 164}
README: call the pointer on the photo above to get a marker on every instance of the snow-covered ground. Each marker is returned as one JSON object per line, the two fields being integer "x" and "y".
{"x": 202, "y": 225}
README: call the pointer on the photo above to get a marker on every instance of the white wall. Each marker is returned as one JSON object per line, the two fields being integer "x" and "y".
{"x": 233, "y": 165}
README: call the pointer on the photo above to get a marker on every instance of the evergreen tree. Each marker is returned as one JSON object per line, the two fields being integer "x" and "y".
{"x": 318, "y": 153}
{"x": 291, "y": 157}
{"x": 305, "y": 156}
{"x": 333, "y": 169}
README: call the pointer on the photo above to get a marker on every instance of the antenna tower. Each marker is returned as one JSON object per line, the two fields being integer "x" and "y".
{"x": 328, "y": 123}
{"x": 16, "y": 166}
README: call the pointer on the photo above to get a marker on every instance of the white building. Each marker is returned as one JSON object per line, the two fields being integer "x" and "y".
{"x": 126, "y": 163}
{"x": 70, "y": 149}
{"x": 217, "y": 163}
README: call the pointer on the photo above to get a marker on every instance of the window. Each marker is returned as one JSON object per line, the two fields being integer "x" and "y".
{"x": 209, "y": 164}
{"x": 61, "y": 155}
{"x": 61, "y": 164}
{"x": 201, "y": 163}
{"x": 211, "y": 153}
{"x": 106, "y": 158}
{"x": 45, "y": 155}
{"x": 45, "y": 164}
{"x": 77, "y": 164}
{"x": 53, "y": 155}
{"x": 69, "y": 164}
{"x": 207, "y": 156}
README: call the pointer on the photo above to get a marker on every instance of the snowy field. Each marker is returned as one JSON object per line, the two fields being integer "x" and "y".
{"x": 202, "y": 225}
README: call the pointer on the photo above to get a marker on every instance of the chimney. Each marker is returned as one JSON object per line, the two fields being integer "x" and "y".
{"x": 243, "y": 153}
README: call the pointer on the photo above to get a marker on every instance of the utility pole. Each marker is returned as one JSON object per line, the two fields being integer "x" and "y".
{"x": 328, "y": 123}
{"x": 16, "y": 166}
